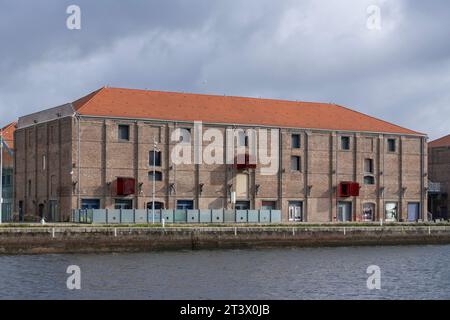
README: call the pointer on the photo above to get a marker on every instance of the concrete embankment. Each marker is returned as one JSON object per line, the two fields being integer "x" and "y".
{"x": 95, "y": 239}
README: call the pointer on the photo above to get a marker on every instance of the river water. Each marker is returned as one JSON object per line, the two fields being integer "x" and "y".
{"x": 407, "y": 272}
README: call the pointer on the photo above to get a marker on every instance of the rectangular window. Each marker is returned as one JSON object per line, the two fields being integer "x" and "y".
{"x": 155, "y": 158}
{"x": 158, "y": 176}
{"x": 90, "y": 203}
{"x": 44, "y": 162}
{"x": 345, "y": 143}
{"x": 185, "y": 205}
{"x": 391, "y": 145}
{"x": 124, "y": 132}
{"x": 268, "y": 205}
{"x": 29, "y": 188}
{"x": 123, "y": 204}
{"x": 295, "y": 163}
{"x": 295, "y": 141}
{"x": 368, "y": 165}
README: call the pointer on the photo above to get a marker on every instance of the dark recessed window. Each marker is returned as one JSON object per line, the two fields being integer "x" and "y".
{"x": 158, "y": 175}
{"x": 295, "y": 138}
{"x": 155, "y": 158}
{"x": 295, "y": 163}
{"x": 391, "y": 145}
{"x": 368, "y": 165}
{"x": 369, "y": 180}
{"x": 124, "y": 132}
{"x": 345, "y": 143}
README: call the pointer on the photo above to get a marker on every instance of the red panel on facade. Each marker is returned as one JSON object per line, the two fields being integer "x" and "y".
{"x": 125, "y": 186}
{"x": 249, "y": 163}
{"x": 348, "y": 189}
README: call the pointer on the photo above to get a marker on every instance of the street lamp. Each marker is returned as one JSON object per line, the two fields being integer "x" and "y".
{"x": 155, "y": 149}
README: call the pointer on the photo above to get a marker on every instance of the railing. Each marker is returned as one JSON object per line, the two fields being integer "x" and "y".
{"x": 143, "y": 216}
{"x": 434, "y": 187}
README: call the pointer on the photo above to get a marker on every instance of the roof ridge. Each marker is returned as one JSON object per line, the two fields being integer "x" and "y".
{"x": 220, "y": 96}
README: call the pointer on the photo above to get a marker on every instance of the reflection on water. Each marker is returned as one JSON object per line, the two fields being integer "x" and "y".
{"x": 410, "y": 272}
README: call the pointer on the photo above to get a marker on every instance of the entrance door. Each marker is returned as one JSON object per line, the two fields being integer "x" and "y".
{"x": 344, "y": 211}
{"x": 52, "y": 210}
{"x": 413, "y": 212}
{"x": 295, "y": 210}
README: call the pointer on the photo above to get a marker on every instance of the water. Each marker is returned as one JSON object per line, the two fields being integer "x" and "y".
{"x": 410, "y": 272}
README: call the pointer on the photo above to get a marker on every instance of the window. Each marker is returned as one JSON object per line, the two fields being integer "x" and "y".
{"x": 242, "y": 180}
{"x": 185, "y": 204}
{"x": 369, "y": 180}
{"x": 295, "y": 141}
{"x": 124, "y": 132}
{"x": 123, "y": 204}
{"x": 90, "y": 203}
{"x": 158, "y": 205}
{"x": 368, "y": 165}
{"x": 391, "y": 145}
{"x": 295, "y": 163}
{"x": 268, "y": 205}
{"x": 44, "y": 162}
{"x": 345, "y": 143}
{"x": 158, "y": 175}
{"x": 7, "y": 180}
{"x": 155, "y": 158}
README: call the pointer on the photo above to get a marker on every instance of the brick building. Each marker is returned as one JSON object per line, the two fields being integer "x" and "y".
{"x": 7, "y": 173}
{"x": 334, "y": 163}
{"x": 439, "y": 169}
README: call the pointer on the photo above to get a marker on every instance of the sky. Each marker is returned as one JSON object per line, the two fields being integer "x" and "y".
{"x": 389, "y": 59}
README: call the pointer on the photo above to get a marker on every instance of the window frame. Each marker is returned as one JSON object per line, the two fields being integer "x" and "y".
{"x": 122, "y": 126}
{"x": 348, "y": 138}
{"x": 298, "y": 164}
{"x": 158, "y": 158}
{"x": 158, "y": 173}
{"x": 298, "y": 143}
{"x": 389, "y": 140}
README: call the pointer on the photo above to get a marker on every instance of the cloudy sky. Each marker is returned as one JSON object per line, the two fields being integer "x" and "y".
{"x": 312, "y": 50}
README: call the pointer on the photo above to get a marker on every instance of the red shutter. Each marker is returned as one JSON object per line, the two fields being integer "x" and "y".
{"x": 354, "y": 189}
{"x": 125, "y": 186}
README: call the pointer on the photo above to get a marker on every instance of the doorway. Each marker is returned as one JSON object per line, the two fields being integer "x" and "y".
{"x": 413, "y": 211}
{"x": 295, "y": 210}
{"x": 344, "y": 213}
{"x": 52, "y": 211}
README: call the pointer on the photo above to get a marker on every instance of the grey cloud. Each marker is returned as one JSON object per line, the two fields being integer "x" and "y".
{"x": 303, "y": 50}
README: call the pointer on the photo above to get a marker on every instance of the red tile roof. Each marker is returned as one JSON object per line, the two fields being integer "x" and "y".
{"x": 132, "y": 103}
{"x": 441, "y": 142}
{"x": 8, "y": 134}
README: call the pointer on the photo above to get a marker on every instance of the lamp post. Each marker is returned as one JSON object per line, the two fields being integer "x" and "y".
{"x": 155, "y": 149}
